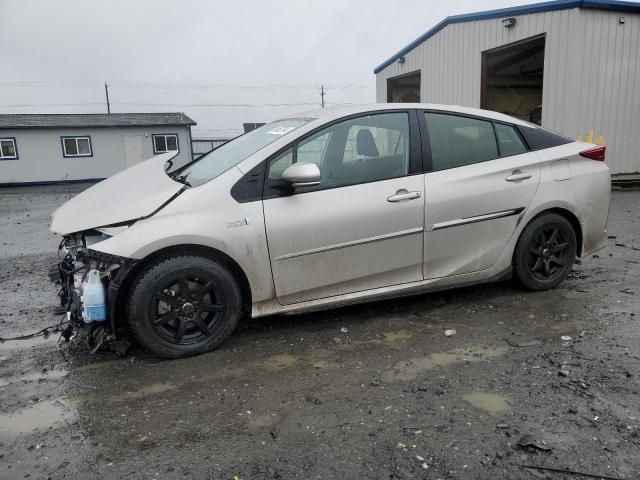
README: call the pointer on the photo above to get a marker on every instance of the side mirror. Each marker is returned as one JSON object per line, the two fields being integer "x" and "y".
{"x": 301, "y": 175}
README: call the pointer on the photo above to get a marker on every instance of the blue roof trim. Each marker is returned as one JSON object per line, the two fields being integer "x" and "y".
{"x": 513, "y": 11}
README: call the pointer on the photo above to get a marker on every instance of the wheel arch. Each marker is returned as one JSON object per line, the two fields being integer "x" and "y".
{"x": 575, "y": 223}
{"x": 569, "y": 216}
{"x": 171, "y": 251}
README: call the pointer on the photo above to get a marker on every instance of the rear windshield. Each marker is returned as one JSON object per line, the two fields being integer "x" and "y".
{"x": 230, "y": 154}
{"x": 539, "y": 138}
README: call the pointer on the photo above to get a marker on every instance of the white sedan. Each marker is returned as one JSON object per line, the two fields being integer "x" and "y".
{"x": 328, "y": 208}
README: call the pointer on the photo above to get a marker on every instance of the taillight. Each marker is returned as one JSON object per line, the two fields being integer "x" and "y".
{"x": 595, "y": 153}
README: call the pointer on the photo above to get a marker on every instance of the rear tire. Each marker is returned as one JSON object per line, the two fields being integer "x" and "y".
{"x": 545, "y": 252}
{"x": 183, "y": 305}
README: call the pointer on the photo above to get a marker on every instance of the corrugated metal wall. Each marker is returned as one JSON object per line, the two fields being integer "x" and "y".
{"x": 590, "y": 81}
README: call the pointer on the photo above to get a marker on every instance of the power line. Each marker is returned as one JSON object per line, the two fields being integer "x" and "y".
{"x": 176, "y": 105}
{"x": 227, "y": 86}
{"x": 16, "y": 105}
{"x": 302, "y": 104}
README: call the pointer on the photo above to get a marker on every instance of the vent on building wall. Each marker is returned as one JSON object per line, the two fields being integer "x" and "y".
{"x": 509, "y": 22}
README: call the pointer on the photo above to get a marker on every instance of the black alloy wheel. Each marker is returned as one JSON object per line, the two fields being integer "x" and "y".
{"x": 548, "y": 252}
{"x": 545, "y": 252}
{"x": 184, "y": 305}
{"x": 187, "y": 309}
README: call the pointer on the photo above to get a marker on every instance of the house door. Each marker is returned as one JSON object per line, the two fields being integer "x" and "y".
{"x": 133, "y": 152}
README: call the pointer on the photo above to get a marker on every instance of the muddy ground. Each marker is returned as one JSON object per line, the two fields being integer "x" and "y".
{"x": 299, "y": 397}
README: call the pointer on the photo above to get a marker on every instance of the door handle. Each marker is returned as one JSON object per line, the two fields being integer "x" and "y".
{"x": 518, "y": 175}
{"x": 403, "y": 195}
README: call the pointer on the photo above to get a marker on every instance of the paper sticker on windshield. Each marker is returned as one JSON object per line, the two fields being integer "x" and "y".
{"x": 281, "y": 130}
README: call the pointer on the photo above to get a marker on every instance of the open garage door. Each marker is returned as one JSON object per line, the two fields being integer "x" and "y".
{"x": 512, "y": 79}
{"x": 404, "y": 89}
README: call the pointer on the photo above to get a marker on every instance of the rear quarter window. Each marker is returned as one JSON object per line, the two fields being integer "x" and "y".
{"x": 538, "y": 138}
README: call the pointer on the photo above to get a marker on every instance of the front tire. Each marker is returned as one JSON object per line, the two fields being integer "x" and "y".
{"x": 545, "y": 252}
{"x": 183, "y": 305}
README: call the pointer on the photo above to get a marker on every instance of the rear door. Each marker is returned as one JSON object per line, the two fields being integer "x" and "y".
{"x": 481, "y": 181}
{"x": 362, "y": 227}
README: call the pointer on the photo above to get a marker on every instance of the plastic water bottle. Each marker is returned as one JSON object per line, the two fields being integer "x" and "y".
{"x": 94, "y": 306}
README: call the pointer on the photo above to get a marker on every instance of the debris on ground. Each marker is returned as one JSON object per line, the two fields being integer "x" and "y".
{"x": 449, "y": 333}
{"x": 570, "y": 472}
{"x": 344, "y": 329}
{"x": 566, "y": 338}
{"x": 528, "y": 343}
{"x": 529, "y": 441}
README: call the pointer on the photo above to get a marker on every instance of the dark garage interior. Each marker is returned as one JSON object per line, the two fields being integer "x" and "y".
{"x": 512, "y": 79}
{"x": 404, "y": 89}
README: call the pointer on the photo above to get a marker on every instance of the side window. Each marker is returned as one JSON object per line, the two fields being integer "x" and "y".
{"x": 76, "y": 147}
{"x": 280, "y": 164}
{"x": 8, "y": 150}
{"x": 457, "y": 141}
{"x": 509, "y": 140}
{"x": 165, "y": 143}
{"x": 312, "y": 150}
{"x": 387, "y": 142}
{"x": 365, "y": 149}
{"x": 539, "y": 138}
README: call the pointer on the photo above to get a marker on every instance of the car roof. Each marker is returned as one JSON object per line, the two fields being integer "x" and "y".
{"x": 336, "y": 112}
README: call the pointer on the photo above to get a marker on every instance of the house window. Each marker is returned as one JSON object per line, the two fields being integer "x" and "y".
{"x": 8, "y": 150}
{"x": 165, "y": 143}
{"x": 76, "y": 147}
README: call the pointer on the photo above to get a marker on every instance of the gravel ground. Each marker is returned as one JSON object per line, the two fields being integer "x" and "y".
{"x": 297, "y": 397}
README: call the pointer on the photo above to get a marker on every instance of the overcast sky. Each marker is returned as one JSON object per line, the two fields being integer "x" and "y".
{"x": 189, "y": 53}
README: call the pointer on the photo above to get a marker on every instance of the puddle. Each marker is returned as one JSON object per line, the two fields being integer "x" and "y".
{"x": 257, "y": 422}
{"x": 96, "y": 365}
{"x": 408, "y": 370}
{"x": 562, "y": 328}
{"x": 322, "y": 358}
{"x": 27, "y": 343}
{"x": 397, "y": 336}
{"x": 40, "y": 416}
{"x": 142, "y": 392}
{"x": 489, "y": 402}
{"x": 34, "y": 377}
{"x": 279, "y": 361}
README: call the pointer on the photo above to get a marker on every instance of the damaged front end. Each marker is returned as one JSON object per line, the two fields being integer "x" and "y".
{"x": 89, "y": 281}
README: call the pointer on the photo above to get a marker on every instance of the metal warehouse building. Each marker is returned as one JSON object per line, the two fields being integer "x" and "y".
{"x": 38, "y": 148}
{"x": 571, "y": 66}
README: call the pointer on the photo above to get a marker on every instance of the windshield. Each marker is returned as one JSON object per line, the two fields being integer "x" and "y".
{"x": 230, "y": 154}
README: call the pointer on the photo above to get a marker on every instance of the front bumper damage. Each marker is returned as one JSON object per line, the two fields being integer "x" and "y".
{"x": 70, "y": 274}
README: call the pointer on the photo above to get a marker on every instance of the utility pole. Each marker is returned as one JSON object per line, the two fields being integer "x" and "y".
{"x": 106, "y": 92}
{"x": 322, "y": 95}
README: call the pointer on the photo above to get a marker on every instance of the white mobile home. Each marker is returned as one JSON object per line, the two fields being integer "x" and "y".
{"x": 571, "y": 66}
{"x": 52, "y": 148}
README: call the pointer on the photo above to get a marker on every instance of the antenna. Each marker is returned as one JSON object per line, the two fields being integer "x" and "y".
{"x": 322, "y": 95}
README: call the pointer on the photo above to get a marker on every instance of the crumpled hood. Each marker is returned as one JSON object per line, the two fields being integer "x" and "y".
{"x": 128, "y": 195}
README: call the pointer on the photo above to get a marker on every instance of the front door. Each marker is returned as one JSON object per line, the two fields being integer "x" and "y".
{"x": 482, "y": 181}
{"x": 362, "y": 228}
{"x": 133, "y": 152}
